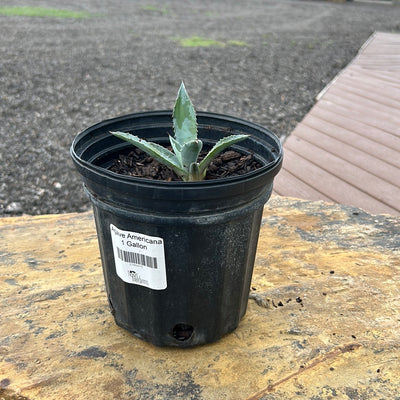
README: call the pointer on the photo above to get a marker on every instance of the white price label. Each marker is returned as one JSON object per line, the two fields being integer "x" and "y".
{"x": 139, "y": 259}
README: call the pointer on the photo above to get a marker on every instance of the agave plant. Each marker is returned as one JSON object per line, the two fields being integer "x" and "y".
{"x": 185, "y": 144}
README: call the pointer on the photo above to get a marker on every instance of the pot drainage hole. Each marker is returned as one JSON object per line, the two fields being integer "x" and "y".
{"x": 182, "y": 332}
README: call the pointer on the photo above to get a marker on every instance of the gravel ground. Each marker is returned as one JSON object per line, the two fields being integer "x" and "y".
{"x": 58, "y": 76}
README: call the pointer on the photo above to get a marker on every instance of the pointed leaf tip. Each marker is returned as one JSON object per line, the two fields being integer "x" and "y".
{"x": 184, "y": 118}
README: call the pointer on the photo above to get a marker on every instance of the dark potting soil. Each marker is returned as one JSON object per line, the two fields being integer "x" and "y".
{"x": 227, "y": 164}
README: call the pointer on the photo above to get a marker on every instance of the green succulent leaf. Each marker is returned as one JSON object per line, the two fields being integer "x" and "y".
{"x": 177, "y": 147}
{"x": 158, "y": 152}
{"x": 194, "y": 173}
{"x": 190, "y": 152}
{"x": 185, "y": 144}
{"x": 220, "y": 146}
{"x": 184, "y": 118}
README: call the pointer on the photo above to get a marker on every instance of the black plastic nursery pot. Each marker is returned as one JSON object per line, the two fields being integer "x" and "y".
{"x": 177, "y": 257}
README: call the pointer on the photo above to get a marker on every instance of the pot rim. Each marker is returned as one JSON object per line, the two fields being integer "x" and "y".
{"x": 274, "y": 144}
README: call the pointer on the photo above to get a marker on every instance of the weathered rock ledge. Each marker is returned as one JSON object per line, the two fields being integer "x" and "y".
{"x": 323, "y": 318}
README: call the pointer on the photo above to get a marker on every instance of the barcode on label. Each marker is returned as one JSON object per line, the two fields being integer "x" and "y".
{"x": 136, "y": 258}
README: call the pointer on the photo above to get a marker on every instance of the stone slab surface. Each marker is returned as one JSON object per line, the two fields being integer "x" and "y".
{"x": 323, "y": 318}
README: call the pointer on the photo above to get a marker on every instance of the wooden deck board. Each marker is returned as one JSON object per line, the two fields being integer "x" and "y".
{"x": 351, "y": 173}
{"x": 333, "y": 187}
{"x": 302, "y": 188}
{"x": 385, "y": 77}
{"x": 365, "y": 160}
{"x": 366, "y": 115}
{"x": 347, "y": 148}
{"x": 363, "y": 143}
{"x": 359, "y": 104}
{"x": 364, "y": 91}
{"x": 374, "y": 86}
{"x": 363, "y": 129}
{"x": 364, "y": 98}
